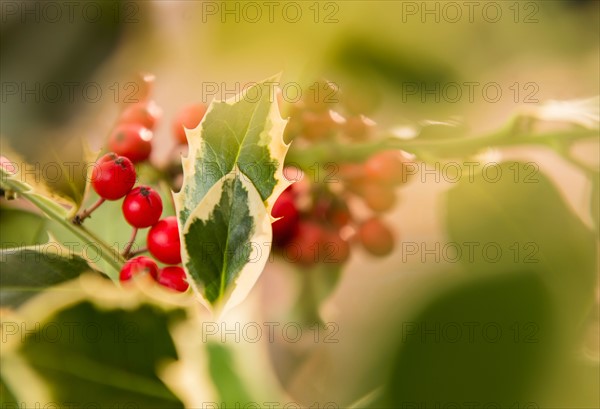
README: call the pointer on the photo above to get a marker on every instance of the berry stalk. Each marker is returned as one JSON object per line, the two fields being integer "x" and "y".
{"x": 127, "y": 250}
{"x": 79, "y": 218}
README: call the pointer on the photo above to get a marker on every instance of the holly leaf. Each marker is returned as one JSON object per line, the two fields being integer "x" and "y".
{"x": 14, "y": 183}
{"x": 243, "y": 132}
{"x": 516, "y": 223}
{"x": 92, "y": 343}
{"x": 595, "y": 203}
{"x": 61, "y": 225}
{"x": 435, "y": 365}
{"x": 21, "y": 228}
{"x": 232, "y": 176}
{"x": 59, "y": 173}
{"x": 226, "y": 242}
{"x": 25, "y": 272}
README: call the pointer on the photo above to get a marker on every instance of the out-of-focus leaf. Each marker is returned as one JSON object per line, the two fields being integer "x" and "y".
{"x": 519, "y": 221}
{"x": 25, "y": 272}
{"x": 574, "y": 384}
{"x": 595, "y": 203}
{"x": 16, "y": 184}
{"x": 21, "y": 228}
{"x": 485, "y": 341}
{"x": 103, "y": 355}
{"x": 6, "y": 397}
{"x": 57, "y": 170}
{"x": 223, "y": 371}
{"x": 68, "y": 233}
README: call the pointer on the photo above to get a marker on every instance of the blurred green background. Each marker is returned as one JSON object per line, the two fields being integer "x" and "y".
{"x": 373, "y": 50}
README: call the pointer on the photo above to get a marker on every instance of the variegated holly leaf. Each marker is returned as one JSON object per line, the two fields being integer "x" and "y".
{"x": 226, "y": 242}
{"x": 25, "y": 272}
{"x": 232, "y": 176}
{"x": 107, "y": 257}
{"x": 59, "y": 173}
{"x": 245, "y": 131}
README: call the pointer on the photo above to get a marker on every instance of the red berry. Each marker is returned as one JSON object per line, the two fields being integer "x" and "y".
{"x": 293, "y": 174}
{"x": 376, "y": 237}
{"x": 358, "y": 127}
{"x": 136, "y": 266}
{"x": 386, "y": 167}
{"x": 379, "y": 198}
{"x": 339, "y": 215}
{"x": 189, "y": 117}
{"x": 163, "y": 241}
{"x": 132, "y": 141}
{"x": 145, "y": 114}
{"x": 145, "y": 83}
{"x": 113, "y": 176}
{"x": 317, "y": 125}
{"x": 306, "y": 246}
{"x": 284, "y": 228}
{"x": 142, "y": 207}
{"x": 335, "y": 249}
{"x": 352, "y": 173}
{"x": 173, "y": 277}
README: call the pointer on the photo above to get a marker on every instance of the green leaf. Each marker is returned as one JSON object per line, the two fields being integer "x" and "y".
{"x": 111, "y": 260}
{"x": 55, "y": 171}
{"x": 521, "y": 223}
{"x": 16, "y": 184}
{"x": 484, "y": 341}
{"x": 595, "y": 202}
{"x": 22, "y": 228}
{"x": 103, "y": 356}
{"x": 226, "y": 242}
{"x": 25, "y": 272}
{"x": 6, "y": 397}
{"x": 245, "y": 133}
{"x": 232, "y": 176}
{"x": 224, "y": 374}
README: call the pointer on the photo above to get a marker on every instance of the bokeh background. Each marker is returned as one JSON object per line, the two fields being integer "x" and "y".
{"x": 371, "y": 49}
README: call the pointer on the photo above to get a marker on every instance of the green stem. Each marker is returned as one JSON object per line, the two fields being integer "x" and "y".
{"x": 57, "y": 213}
{"x": 430, "y": 149}
{"x": 110, "y": 255}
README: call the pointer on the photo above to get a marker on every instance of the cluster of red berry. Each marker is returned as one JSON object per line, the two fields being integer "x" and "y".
{"x": 317, "y": 225}
{"x": 114, "y": 177}
{"x": 132, "y": 137}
